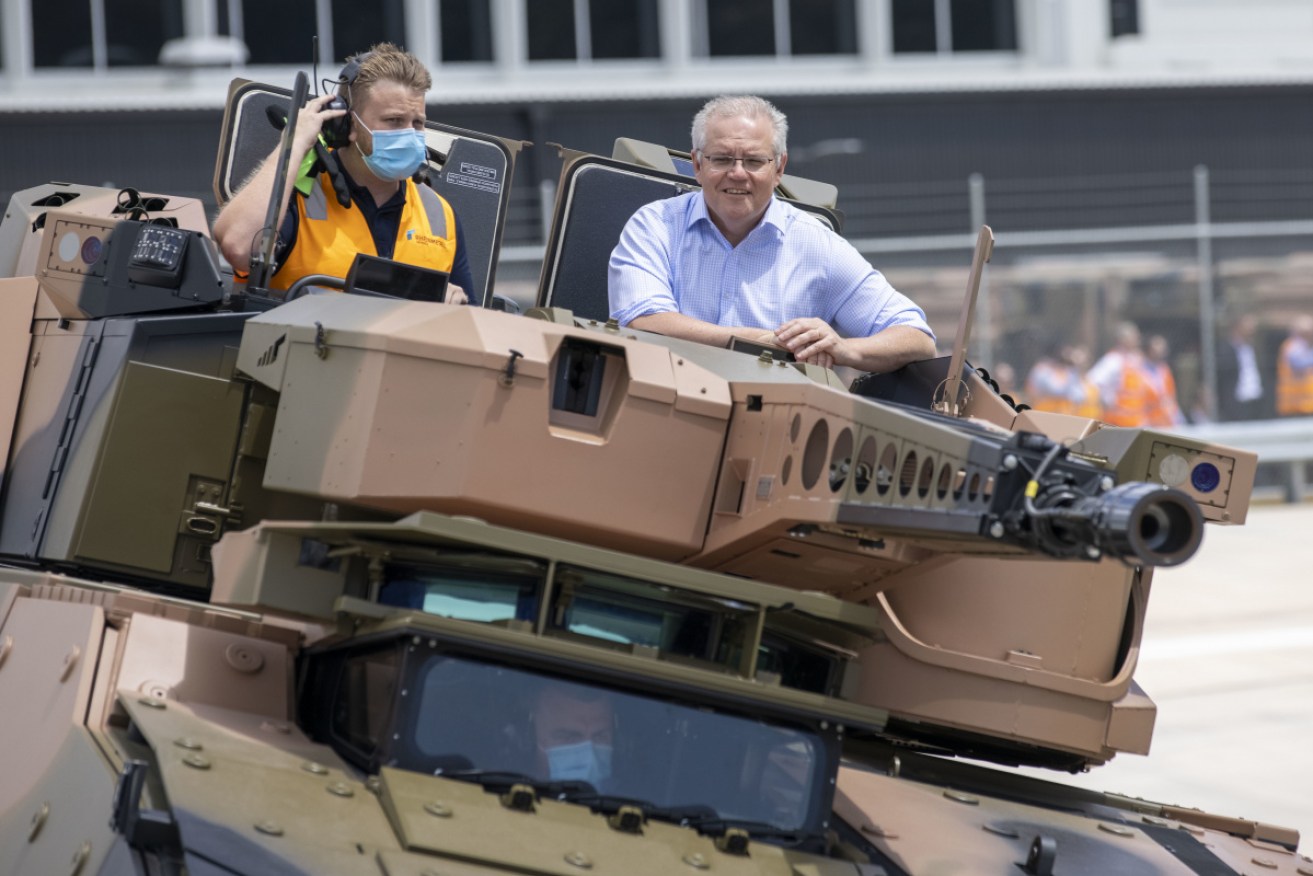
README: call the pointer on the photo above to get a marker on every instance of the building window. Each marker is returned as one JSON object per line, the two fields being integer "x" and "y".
{"x": 780, "y": 27}
{"x": 466, "y": 30}
{"x": 740, "y": 27}
{"x": 567, "y": 30}
{"x": 283, "y": 32}
{"x": 822, "y": 27}
{"x": 1125, "y": 16}
{"x": 357, "y": 26}
{"x": 61, "y": 33}
{"x": 133, "y": 33}
{"x": 279, "y": 33}
{"x": 628, "y": 29}
{"x": 944, "y": 26}
{"x": 551, "y": 27}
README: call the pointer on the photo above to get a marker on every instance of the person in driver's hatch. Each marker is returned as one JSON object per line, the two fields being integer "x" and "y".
{"x": 390, "y": 215}
{"x": 735, "y": 261}
{"x": 573, "y": 730}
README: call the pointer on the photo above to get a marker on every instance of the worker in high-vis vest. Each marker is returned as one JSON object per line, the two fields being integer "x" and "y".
{"x": 376, "y": 122}
{"x": 1057, "y": 383}
{"x": 1164, "y": 407}
{"x": 1125, "y": 386}
{"x": 1295, "y": 370}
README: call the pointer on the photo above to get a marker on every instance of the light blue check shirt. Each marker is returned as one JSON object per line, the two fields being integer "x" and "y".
{"x": 671, "y": 257}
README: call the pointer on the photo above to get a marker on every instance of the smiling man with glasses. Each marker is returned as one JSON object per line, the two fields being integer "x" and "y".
{"x": 735, "y": 261}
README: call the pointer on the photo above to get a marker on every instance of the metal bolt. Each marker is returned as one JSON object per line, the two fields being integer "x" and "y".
{"x": 38, "y": 821}
{"x": 269, "y": 828}
{"x": 437, "y": 809}
{"x": 1009, "y": 462}
{"x": 1092, "y": 552}
{"x": 877, "y": 830}
{"x": 578, "y": 859}
{"x": 697, "y": 861}
{"x": 317, "y": 768}
{"x": 1115, "y": 829}
{"x": 197, "y": 761}
{"x": 964, "y": 799}
{"x": 70, "y": 660}
{"x": 996, "y": 529}
{"x": 1106, "y": 483}
{"x": 340, "y": 789}
{"x": 1000, "y": 830}
{"x": 151, "y": 702}
{"x": 1265, "y": 863}
{"x": 188, "y": 743}
{"x": 245, "y": 660}
{"x": 80, "y": 858}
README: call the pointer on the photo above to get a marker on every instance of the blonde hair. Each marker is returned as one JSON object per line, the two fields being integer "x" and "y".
{"x": 386, "y": 62}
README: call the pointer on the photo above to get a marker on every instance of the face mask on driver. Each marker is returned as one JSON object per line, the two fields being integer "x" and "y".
{"x": 583, "y": 761}
{"x": 396, "y": 154}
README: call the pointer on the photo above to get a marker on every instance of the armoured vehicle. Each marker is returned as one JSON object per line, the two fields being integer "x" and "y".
{"x": 350, "y": 583}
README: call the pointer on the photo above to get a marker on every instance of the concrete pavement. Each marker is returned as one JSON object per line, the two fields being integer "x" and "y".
{"x": 1228, "y": 658}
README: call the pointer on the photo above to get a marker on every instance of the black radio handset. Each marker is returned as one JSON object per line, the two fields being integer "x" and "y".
{"x": 325, "y": 156}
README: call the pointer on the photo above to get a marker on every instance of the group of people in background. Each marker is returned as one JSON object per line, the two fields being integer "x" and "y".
{"x": 1133, "y": 385}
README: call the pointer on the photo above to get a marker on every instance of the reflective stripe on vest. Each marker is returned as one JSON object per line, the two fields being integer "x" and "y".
{"x": 329, "y": 235}
{"x": 1134, "y": 398}
{"x": 1294, "y": 388}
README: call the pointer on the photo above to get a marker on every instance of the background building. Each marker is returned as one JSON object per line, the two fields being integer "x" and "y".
{"x": 1147, "y": 160}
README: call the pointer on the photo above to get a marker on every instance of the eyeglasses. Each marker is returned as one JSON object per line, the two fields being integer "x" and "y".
{"x": 725, "y": 163}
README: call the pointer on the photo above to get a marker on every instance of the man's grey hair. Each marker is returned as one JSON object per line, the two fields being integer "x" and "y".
{"x": 732, "y": 106}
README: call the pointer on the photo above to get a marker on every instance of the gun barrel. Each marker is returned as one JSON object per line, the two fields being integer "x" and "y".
{"x": 1146, "y": 523}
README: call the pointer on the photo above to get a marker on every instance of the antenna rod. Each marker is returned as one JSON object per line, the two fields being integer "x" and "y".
{"x": 263, "y": 264}
{"x": 952, "y": 401}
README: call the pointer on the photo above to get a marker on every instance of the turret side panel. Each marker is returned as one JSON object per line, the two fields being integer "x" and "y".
{"x": 17, "y": 301}
{"x": 406, "y": 407}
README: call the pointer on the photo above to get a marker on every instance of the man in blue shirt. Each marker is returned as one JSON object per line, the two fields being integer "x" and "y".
{"x": 734, "y": 261}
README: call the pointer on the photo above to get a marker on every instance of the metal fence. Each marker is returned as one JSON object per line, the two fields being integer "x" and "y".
{"x": 1181, "y": 253}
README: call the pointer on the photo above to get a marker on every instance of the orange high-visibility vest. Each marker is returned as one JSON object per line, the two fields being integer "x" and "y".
{"x": 1294, "y": 387}
{"x": 329, "y": 235}
{"x": 1087, "y": 407}
{"x": 1164, "y": 409}
{"x": 1135, "y": 397}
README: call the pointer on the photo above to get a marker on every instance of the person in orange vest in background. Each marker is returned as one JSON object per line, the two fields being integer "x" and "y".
{"x": 1164, "y": 409}
{"x": 1125, "y": 388}
{"x": 1057, "y": 383}
{"x": 1295, "y": 370}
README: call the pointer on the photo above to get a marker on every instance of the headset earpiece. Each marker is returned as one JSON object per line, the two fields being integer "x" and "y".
{"x": 337, "y": 131}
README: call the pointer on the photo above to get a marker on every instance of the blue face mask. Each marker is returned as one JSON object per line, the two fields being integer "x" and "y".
{"x": 396, "y": 155}
{"x": 584, "y": 761}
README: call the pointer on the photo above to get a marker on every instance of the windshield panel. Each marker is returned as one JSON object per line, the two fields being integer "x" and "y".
{"x": 473, "y": 715}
